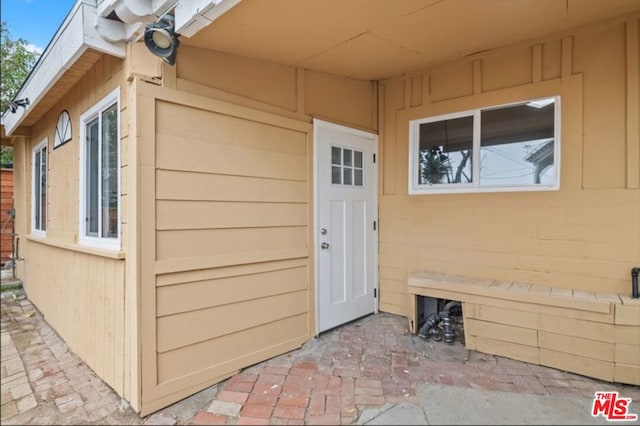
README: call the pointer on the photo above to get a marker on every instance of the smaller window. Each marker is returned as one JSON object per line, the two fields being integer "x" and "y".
{"x": 39, "y": 189}
{"x": 513, "y": 147}
{"x": 346, "y": 167}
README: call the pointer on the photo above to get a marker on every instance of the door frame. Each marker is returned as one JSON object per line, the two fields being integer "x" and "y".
{"x": 317, "y": 123}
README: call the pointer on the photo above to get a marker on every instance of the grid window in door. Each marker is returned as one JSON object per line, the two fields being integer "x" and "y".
{"x": 346, "y": 167}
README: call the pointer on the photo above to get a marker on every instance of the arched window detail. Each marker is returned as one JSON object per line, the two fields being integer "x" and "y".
{"x": 63, "y": 129}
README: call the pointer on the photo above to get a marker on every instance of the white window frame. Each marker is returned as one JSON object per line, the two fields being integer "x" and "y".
{"x": 38, "y": 148}
{"x": 96, "y": 112}
{"x": 474, "y": 186}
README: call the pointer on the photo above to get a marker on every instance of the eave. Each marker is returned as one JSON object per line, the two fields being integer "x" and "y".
{"x": 75, "y": 47}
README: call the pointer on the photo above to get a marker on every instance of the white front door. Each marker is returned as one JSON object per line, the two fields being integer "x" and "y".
{"x": 346, "y": 229}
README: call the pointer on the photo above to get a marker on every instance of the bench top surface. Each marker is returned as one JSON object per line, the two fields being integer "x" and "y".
{"x": 546, "y": 295}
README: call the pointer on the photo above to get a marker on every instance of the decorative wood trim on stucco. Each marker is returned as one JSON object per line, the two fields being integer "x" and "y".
{"x": 477, "y": 77}
{"x": 633, "y": 104}
{"x": 537, "y": 63}
{"x": 567, "y": 56}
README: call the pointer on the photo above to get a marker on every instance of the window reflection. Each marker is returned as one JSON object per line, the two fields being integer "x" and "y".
{"x": 446, "y": 151}
{"x": 517, "y": 145}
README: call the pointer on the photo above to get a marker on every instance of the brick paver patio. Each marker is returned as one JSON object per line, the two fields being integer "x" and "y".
{"x": 330, "y": 380}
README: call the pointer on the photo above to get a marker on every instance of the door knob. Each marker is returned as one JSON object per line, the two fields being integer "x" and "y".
{"x": 324, "y": 246}
{"x": 323, "y": 231}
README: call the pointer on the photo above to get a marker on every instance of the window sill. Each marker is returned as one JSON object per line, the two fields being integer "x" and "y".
{"x": 39, "y": 234}
{"x": 481, "y": 190}
{"x": 112, "y": 254}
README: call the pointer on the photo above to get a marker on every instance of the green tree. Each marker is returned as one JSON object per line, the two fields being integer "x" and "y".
{"x": 16, "y": 60}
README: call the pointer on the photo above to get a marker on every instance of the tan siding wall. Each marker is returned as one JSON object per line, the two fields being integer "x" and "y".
{"x": 229, "y": 224}
{"x": 82, "y": 298}
{"x": 63, "y": 170}
{"x": 227, "y": 200}
{"x": 269, "y": 83}
{"x": 585, "y": 236}
{"x": 80, "y": 291}
{"x": 275, "y": 88}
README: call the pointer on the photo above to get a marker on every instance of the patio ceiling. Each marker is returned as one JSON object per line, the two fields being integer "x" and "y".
{"x": 376, "y": 39}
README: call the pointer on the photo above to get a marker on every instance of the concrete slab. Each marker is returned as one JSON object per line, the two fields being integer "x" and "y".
{"x": 454, "y": 405}
{"x": 393, "y": 414}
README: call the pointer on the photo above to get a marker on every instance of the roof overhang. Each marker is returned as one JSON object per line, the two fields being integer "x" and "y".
{"x": 120, "y": 20}
{"x": 76, "y": 40}
{"x": 93, "y": 28}
{"x": 18, "y": 133}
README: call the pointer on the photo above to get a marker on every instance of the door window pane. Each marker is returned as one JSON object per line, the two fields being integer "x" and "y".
{"x": 336, "y": 155}
{"x": 347, "y": 173}
{"x": 348, "y": 157}
{"x": 357, "y": 177}
{"x": 357, "y": 159}
{"x": 336, "y": 175}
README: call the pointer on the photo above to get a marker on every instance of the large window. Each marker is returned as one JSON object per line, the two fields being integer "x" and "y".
{"x": 512, "y": 147}
{"x": 100, "y": 174}
{"x": 39, "y": 189}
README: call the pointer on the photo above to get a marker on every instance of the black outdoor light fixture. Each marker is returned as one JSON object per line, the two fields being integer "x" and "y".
{"x": 13, "y": 105}
{"x": 161, "y": 39}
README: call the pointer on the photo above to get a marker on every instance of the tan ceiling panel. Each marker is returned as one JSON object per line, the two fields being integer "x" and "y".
{"x": 363, "y": 57}
{"x": 381, "y": 38}
{"x": 460, "y": 27}
{"x": 289, "y": 31}
{"x": 581, "y": 11}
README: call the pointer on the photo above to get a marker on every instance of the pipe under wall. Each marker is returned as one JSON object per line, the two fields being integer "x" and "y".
{"x": 447, "y": 326}
{"x": 430, "y": 326}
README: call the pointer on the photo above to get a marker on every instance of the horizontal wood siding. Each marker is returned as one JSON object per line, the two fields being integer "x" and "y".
{"x": 80, "y": 291}
{"x": 82, "y": 297}
{"x": 230, "y": 262}
{"x": 218, "y": 353}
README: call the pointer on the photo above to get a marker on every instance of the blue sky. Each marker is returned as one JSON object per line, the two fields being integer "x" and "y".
{"x": 36, "y": 21}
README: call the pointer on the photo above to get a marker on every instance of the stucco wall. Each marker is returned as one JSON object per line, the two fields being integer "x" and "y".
{"x": 586, "y": 236}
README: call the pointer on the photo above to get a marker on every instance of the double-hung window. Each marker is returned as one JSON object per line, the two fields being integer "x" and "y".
{"x": 513, "y": 147}
{"x": 100, "y": 174}
{"x": 39, "y": 189}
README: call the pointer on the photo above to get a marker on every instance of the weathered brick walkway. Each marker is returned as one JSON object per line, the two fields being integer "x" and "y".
{"x": 331, "y": 380}
{"x": 372, "y": 362}
{"x": 43, "y": 382}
